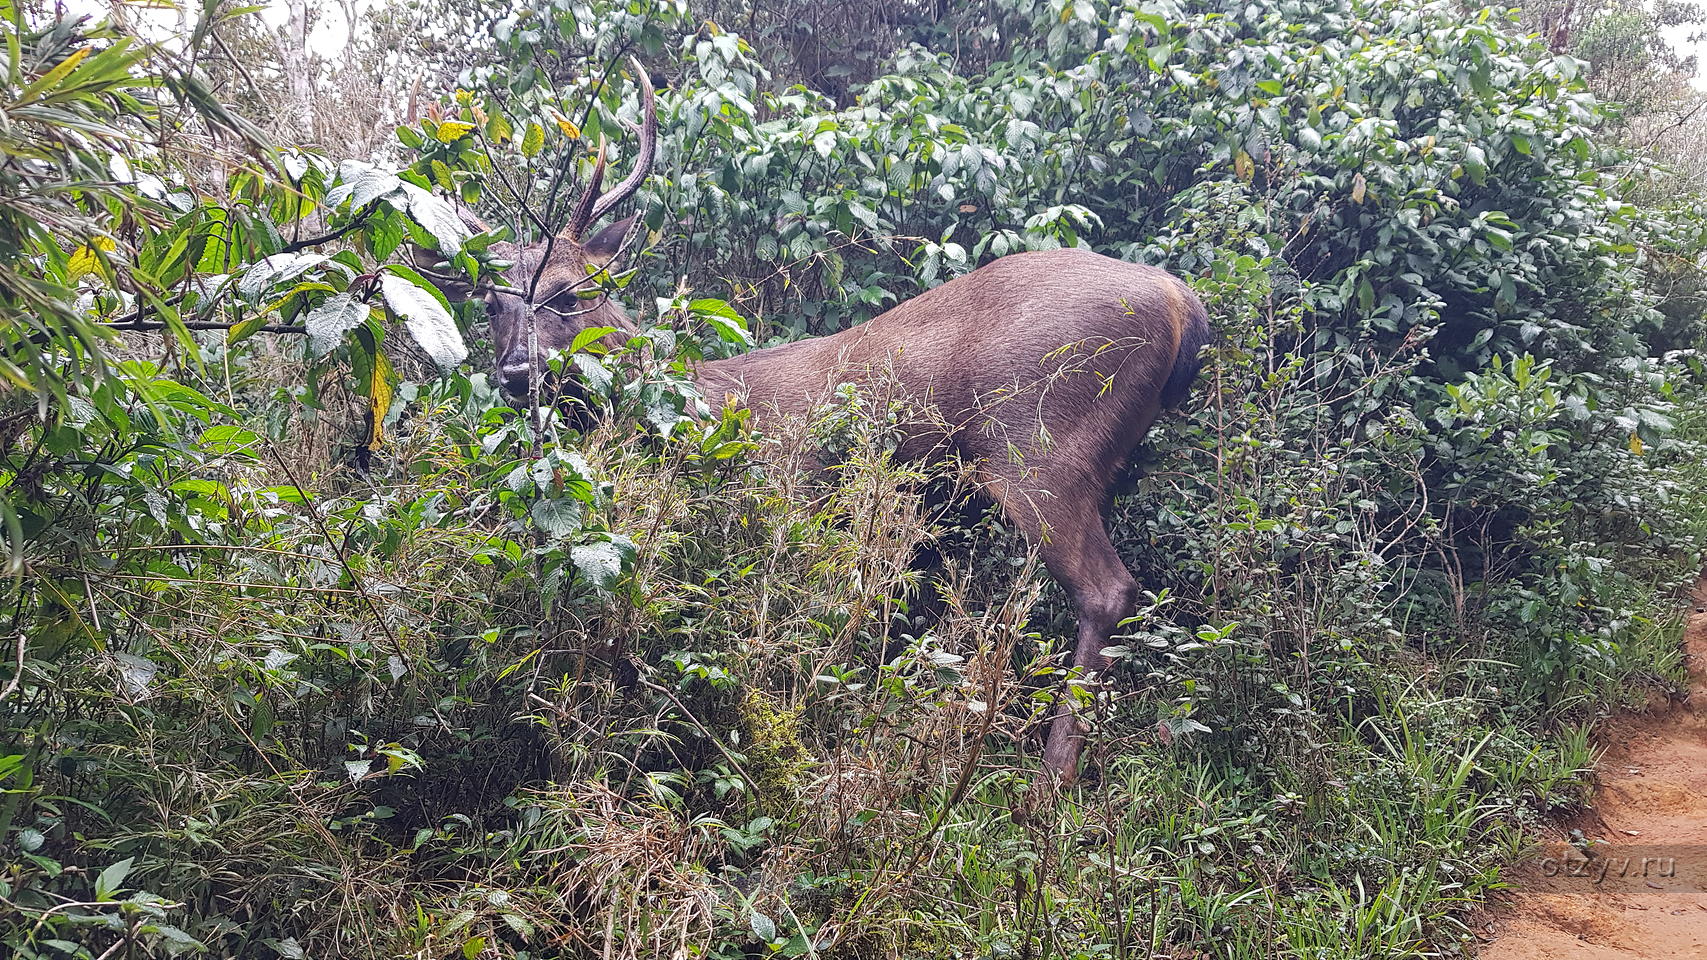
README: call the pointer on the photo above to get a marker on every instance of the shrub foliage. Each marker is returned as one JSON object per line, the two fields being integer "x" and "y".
{"x": 315, "y": 647}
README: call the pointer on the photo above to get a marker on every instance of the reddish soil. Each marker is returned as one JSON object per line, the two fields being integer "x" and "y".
{"x": 1650, "y": 809}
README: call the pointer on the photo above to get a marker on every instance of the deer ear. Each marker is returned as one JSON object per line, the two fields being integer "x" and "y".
{"x": 607, "y": 243}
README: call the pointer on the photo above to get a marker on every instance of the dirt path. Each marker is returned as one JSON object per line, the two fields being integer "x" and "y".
{"x": 1651, "y": 811}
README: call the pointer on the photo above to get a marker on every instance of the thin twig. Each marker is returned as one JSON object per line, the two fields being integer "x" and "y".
{"x": 17, "y": 678}
{"x": 147, "y": 325}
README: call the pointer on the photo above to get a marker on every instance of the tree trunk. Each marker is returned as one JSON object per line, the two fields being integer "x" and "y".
{"x": 295, "y": 61}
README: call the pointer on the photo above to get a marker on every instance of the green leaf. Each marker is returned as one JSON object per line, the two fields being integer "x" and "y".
{"x": 111, "y": 880}
{"x": 1476, "y": 163}
{"x": 731, "y": 327}
{"x": 557, "y": 518}
{"x": 599, "y": 563}
{"x": 425, "y": 313}
{"x": 328, "y": 322}
{"x": 589, "y": 336}
{"x": 276, "y": 269}
{"x": 437, "y": 218}
{"x": 361, "y": 183}
{"x": 764, "y": 928}
{"x": 228, "y": 439}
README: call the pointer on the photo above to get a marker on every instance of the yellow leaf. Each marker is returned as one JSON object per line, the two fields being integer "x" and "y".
{"x": 47, "y": 80}
{"x": 1359, "y": 187}
{"x": 247, "y": 328}
{"x": 379, "y": 394}
{"x": 85, "y": 260}
{"x": 533, "y": 140}
{"x": 564, "y": 124}
{"x": 1244, "y": 166}
{"x": 1635, "y": 444}
{"x": 452, "y": 130}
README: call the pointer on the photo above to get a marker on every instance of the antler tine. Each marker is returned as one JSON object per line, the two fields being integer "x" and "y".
{"x": 648, "y": 146}
{"x": 585, "y": 209}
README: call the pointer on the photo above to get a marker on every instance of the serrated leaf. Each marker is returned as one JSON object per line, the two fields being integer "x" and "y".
{"x": 276, "y": 269}
{"x": 764, "y": 928}
{"x": 426, "y": 317}
{"x": 599, "y": 563}
{"x": 328, "y": 322}
{"x": 361, "y": 183}
{"x": 598, "y": 376}
{"x": 557, "y": 518}
{"x": 437, "y": 217}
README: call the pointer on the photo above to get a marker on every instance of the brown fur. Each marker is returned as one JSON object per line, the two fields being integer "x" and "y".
{"x": 1043, "y": 370}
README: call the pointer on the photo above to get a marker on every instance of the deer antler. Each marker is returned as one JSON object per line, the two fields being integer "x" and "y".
{"x": 583, "y": 213}
{"x": 588, "y": 211}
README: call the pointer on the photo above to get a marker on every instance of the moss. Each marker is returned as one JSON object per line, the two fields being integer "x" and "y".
{"x": 776, "y": 758}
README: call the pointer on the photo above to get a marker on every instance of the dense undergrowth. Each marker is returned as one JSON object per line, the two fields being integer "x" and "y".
{"x": 321, "y": 651}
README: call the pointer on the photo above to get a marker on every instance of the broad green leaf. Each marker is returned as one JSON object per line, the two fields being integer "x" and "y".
{"x": 424, "y": 313}
{"x": 437, "y": 217}
{"x": 599, "y": 563}
{"x": 276, "y": 269}
{"x": 557, "y": 517}
{"x": 328, "y": 322}
{"x": 111, "y": 880}
{"x": 588, "y": 337}
{"x": 361, "y": 183}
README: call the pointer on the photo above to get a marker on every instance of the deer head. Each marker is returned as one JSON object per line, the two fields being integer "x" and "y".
{"x": 537, "y": 306}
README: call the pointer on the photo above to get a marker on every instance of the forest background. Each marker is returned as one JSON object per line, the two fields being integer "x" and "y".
{"x": 313, "y": 646}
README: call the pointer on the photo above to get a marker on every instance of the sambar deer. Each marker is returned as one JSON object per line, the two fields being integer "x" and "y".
{"x": 1044, "y": 369}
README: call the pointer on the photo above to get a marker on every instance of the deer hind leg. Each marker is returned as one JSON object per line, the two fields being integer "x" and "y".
{"x": 1074, "y": 546}
{"x": 1103, "y": 594}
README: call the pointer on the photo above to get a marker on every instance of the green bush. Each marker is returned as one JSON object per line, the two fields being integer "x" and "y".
{"x": 321, "y": 649}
